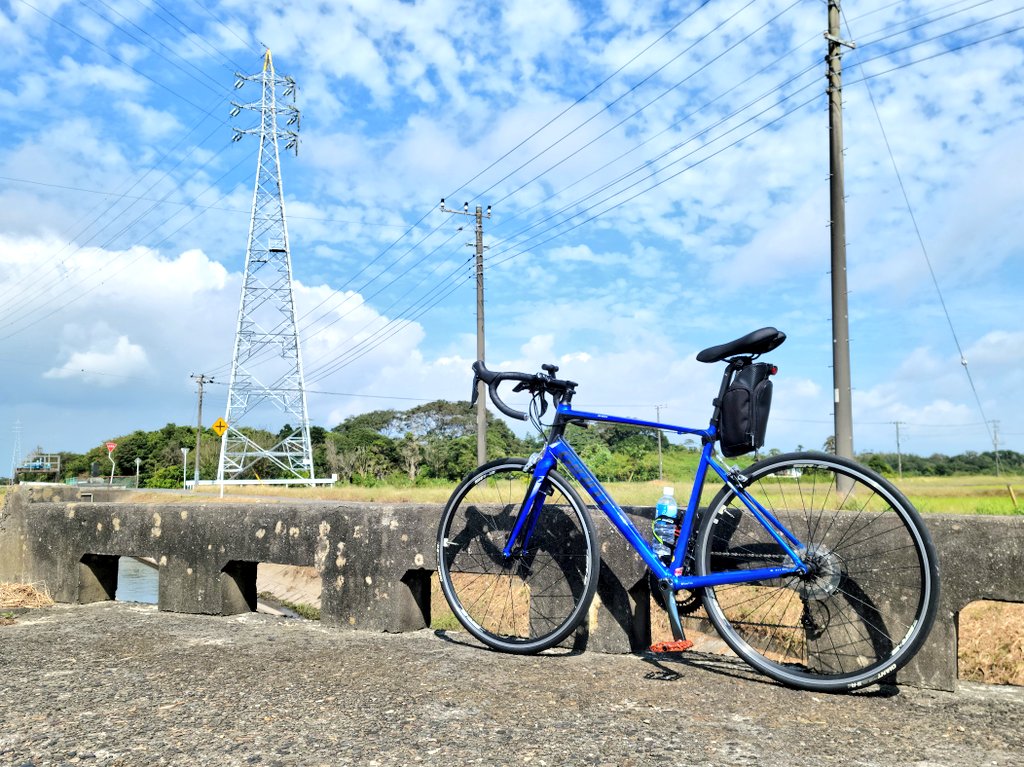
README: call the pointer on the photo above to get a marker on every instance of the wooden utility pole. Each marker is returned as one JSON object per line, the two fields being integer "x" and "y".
{"x": 899, "y": 452}
{"x": 995, "y": 443}
{"x": 661, "y": 465}
{"x": 481, "y": 400}
{"x": 200, "y": 380}
{"x": 842, "y": 391}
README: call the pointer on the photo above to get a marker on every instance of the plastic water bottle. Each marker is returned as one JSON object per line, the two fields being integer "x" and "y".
{"x": 665, "y": 514}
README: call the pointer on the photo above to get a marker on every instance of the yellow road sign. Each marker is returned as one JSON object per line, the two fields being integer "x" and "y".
{"x": 220, "y": 426}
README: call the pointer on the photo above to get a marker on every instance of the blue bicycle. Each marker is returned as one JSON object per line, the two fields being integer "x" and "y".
{"x": 814, "y": 569}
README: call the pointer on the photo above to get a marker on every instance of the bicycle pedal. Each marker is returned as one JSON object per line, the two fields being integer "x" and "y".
{"x": 675, "y": 645}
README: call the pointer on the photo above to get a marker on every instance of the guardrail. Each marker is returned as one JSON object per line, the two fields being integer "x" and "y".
{"x": 376, "y": 562}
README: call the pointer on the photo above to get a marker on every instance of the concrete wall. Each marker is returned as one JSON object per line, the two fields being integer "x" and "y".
{"x": 375, "y": 562}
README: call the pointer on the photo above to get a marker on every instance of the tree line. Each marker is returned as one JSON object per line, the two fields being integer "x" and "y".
{"x": 436, "y": 443}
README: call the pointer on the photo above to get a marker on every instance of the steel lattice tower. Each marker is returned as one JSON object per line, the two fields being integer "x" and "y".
{"x": 266, "y": 369}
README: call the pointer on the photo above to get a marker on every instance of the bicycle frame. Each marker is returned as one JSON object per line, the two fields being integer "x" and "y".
{"x": 673, "y": 575}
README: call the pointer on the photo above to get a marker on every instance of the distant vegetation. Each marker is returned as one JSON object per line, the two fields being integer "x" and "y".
{"x": 435, "y": 443}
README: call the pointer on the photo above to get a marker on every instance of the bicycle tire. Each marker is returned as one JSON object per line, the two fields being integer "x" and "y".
{"x": 535, "y": 599}
{"x": 870, "y": 600}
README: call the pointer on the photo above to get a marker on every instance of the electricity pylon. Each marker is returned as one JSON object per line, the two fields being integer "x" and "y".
{"x": 266, "y": 369}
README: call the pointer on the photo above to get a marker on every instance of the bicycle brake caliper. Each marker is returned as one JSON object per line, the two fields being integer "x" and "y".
{"x": 737, "y": 477}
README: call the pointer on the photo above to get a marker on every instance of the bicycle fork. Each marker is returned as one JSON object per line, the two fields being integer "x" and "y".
{"x": 529, "y": 511}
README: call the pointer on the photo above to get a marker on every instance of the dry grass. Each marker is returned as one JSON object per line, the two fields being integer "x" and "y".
{"x": 991, "y": 643}
{"x": 19, "y": 595}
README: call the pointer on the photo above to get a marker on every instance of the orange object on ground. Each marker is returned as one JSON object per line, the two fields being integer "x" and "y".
{"x": 675, "y": 645}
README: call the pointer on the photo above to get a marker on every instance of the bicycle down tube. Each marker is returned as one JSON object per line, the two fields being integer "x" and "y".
{"x": 559, "y": 451}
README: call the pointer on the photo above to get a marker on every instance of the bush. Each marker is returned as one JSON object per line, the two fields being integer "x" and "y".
{"x": 166, "y": 477}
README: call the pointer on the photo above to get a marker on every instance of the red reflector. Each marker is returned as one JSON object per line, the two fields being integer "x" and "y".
{"x": 774, "y": 370}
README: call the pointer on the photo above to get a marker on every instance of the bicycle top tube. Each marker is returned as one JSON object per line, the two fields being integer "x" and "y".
{"x": 567, "y": 412}
{"x": 561, "y": 452}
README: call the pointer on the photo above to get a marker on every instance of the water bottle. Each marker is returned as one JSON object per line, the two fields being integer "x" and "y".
{"x": 665, "y": 514}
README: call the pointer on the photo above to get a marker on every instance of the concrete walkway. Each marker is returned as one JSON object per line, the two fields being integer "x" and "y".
{"x": 122, "y": 684}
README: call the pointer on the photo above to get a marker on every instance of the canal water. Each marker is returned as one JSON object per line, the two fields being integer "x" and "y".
{"x": 136, "y": 581}
{"x": 139, "y": 582}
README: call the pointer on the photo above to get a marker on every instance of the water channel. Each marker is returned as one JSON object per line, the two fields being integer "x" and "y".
{"x": 136, "y": 581}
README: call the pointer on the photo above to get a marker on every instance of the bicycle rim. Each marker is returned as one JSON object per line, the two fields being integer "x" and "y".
{"x": 534, "y": 599}
{"x": 870, "y": 599}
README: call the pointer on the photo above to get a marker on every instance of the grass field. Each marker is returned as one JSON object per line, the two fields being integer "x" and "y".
{"x": 941, "y": 495}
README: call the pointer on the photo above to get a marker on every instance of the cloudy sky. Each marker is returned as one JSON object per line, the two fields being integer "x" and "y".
{"x": 659, "y": 180}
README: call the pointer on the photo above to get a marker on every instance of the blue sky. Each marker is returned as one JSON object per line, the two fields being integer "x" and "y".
{"x": 659, "y": 182}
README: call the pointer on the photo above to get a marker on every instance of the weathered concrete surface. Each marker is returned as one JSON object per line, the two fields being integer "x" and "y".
{"x": 375, "y": 563}
{"x": 374, "y": 560}
{"x": 118, "y": 685}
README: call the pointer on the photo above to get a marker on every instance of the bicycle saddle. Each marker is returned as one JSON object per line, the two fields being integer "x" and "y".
{"x": 758, "y": 342}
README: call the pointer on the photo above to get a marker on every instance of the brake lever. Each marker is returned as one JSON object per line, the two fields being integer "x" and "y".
{"x": 476, "y": 390}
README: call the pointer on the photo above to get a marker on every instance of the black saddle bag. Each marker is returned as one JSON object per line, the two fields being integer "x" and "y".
{"x": 745, "y": 408}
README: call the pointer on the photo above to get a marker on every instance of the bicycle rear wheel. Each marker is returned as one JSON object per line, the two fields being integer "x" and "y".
{"x": 869, "y": 600}
{"x": 534, "y": 599}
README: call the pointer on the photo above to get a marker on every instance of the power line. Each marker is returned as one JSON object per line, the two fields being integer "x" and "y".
{"x": 582, "y": 98}
{"x": 119, "y": 60}
{"x": 162, "y": 201}
{"x": 924, "y": 252}
{"x": 614, "y": 101}
{"x": 367, "y": 347}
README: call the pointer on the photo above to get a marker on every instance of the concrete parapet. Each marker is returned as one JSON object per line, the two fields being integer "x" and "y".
{"x": 375, "y": 562}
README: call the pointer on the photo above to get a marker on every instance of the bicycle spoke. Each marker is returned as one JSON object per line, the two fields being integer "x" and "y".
{"x": 535, "y": 597}
{"x": 867, "y": 598}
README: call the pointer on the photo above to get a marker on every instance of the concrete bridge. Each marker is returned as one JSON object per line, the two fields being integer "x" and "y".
{"x": 376, "y": 560}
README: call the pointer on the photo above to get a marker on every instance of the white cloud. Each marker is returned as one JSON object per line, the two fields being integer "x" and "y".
{"x": 152, "y": 124}
{"x": 102, "y": 363}
{"x": 403, "y": 102}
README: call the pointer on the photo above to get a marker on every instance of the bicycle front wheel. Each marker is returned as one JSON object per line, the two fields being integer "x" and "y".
{"x": 535, "y": 598}
{"x": 869, "y": 599}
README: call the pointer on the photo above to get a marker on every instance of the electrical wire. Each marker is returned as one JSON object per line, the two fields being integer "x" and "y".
{"x": 79, "y": 294}
{"x": 580, "y": 99}
{"x": 924, "y": 252}
{"x": 614, "y": 101}
{"x": 805, "y": 103}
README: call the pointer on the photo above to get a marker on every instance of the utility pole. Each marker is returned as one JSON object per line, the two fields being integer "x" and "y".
{"x": 16, "y": 455}
{"x": 481, "y": 399}
{"x": 200, "y": 380}
{"x": 899, "y": 454}
{"x": 842, "y": 391}
{"x": 995, "y": 443}
{"x": 661, "y": 466}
